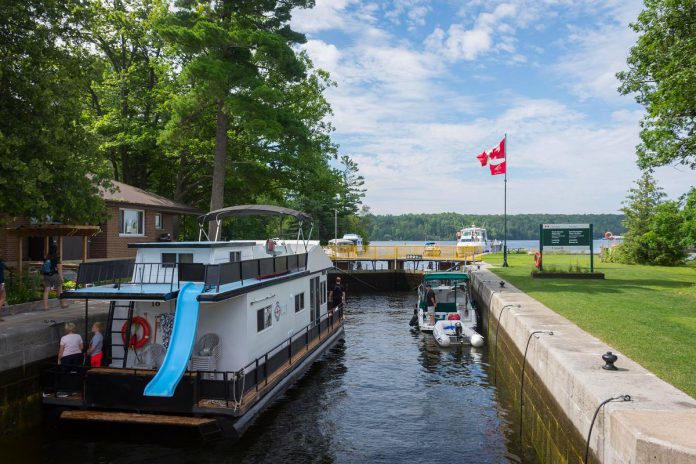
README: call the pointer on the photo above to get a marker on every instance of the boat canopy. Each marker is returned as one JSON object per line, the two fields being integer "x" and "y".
{"x": 253, "y": 210}
{"x": 446, "y": 276}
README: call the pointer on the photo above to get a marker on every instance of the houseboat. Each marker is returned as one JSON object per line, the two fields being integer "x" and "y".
{"x": 472, "y": 241}
{"x": 204, "y": 334}
{"x": 455, "y": 314}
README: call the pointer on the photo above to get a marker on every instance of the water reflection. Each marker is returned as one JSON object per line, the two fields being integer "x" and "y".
{"x": 385, "y": 396}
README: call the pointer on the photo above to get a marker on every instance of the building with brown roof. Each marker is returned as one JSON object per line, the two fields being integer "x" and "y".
{"x": 133, "y": 216}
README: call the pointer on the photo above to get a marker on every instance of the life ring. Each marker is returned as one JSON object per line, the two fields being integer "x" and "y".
{"x": 537, "y": 260}
{"x": 608, "y": 235}
{"x": 135, "y": 342}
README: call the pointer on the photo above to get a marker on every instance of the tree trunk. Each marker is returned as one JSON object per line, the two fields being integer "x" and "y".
{"x": 217, "y": 195}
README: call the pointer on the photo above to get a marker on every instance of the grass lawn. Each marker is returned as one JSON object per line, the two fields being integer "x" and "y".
{"x": 647, "y": 312}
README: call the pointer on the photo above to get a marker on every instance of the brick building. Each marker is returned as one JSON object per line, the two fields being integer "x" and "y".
{"x": 133, "y": 216}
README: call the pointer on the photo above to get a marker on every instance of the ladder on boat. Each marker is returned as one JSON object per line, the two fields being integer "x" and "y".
{"x": 119, "y": 312}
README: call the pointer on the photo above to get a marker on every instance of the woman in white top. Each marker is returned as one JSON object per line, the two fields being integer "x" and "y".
{"x": 70, "y": 351}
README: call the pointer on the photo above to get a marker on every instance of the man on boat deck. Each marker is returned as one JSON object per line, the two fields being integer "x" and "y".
{"x": 431, "y": 303}
{"x": 338, "y": 294}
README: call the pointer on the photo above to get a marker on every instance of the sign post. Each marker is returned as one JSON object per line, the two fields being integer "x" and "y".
{"x": 567, "y": 237}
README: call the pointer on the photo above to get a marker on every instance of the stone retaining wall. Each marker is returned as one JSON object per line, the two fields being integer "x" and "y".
{"x": 28, "y": 342}
{"x": 564, "y": 384}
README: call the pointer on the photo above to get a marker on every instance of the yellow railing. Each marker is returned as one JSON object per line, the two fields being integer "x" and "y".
{"x": 402, "y": 252}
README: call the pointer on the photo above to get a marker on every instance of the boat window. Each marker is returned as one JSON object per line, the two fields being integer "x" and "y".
{"x": 299, "y": 302}
{"x": 264, "y": 318}
{"x": 171, "y": 259}
{"x": 235, "y": 256}
{"x": 323, "y": 292}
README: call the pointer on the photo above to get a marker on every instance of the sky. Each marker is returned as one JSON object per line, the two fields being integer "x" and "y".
{"x": 423, "y": 86}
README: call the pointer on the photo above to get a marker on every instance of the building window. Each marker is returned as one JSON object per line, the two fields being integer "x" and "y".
{"x": 299, "y": 302}
{"x": 171, "y": 259}
{"x": 264, "y": 318}
{"x": 158, "y": 220}
{"x": 131, "y": 222}
{"x": 235, "y": 256}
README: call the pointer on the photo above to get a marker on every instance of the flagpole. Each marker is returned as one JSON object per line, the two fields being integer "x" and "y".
{"x": 505, "y": 263}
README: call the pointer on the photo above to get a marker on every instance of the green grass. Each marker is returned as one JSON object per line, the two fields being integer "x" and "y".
{"x": 646, "y": 312}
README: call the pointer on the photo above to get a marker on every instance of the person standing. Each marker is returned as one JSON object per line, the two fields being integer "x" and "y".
{"x": 431, "y": 303}
{"x": 52, "y": 272}
{"x": 95, "y": 345}
{"x": 338, "y": 294}
{"x": 70, "y": 350}
{"x": 3, "y": 292}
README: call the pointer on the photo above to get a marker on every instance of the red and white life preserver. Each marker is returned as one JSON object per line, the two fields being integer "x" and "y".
{"x": 537, "y": 260}
{"x": 608, "y": 235}
{"x": 136, "y": 342}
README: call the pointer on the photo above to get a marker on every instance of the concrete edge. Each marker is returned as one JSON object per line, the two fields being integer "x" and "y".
{"x": 658, "y": 426}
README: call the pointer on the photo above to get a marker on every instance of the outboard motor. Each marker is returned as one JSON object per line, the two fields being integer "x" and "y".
{"x": 458, "y": 330}
{"x": 414, "y": 319}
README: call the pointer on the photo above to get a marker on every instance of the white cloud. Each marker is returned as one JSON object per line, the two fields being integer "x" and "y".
{"x": 468, "y": 44}
{"x": 408, "y": 114}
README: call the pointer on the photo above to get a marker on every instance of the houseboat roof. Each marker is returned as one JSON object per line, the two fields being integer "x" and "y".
{"x": 253, "y": 210}
{"x": 203, "y": 244}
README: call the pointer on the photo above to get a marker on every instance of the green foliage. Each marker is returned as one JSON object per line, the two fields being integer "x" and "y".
{"x": 662, "y": 74}
{"x": 28, "y": 289}
{"x": 50, "y": 167}
{"x": 443, "y": 226}
{"x": 654, "y": 227}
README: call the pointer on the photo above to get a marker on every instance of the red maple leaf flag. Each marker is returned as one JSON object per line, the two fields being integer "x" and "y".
{"x": 483, "y": 158}
{"x": 498, "y": 152}
{"x": 497, "y": 168}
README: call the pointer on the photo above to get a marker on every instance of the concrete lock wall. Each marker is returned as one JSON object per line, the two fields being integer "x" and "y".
{"x": 28, "y": 342}
{"x": 564, "y": 383}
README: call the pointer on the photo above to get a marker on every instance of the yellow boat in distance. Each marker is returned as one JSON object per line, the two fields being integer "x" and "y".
{"x": 472, "y": 241}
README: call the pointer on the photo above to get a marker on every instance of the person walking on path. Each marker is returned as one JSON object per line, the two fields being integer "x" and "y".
{"x": 95, "y": 345}
{"x": 52, "y": 272}
{"x": 3, "y": 292}
{"x": 70, "y": 350}
{"x": 338, "y": 294}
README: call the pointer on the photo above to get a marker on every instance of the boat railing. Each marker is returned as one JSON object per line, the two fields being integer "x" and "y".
{"x": 216, "y": 275}
{"x": 118, "y": 272}
{"x": 227, "y": 386}
{"x": 232, "y": 386}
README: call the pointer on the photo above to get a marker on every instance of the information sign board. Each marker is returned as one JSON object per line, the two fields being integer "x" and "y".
{"x": 566, "y": 237}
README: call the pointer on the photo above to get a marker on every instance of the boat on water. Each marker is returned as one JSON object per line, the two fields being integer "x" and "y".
{"x": 432, "y": 250}
{"x": 472, "y": 241}
{"x": 204, "y": 334}
{"x": 455, "y": 314}
{"x": 355, "y": 238}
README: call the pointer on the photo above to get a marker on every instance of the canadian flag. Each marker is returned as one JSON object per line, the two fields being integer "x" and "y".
{"x": 494, "y": 153}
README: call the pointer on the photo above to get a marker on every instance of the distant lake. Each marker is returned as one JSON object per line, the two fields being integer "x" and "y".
{"x": 512, "y": 244}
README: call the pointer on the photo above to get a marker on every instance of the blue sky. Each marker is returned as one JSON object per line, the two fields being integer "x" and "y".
{"x": 424, "y": 86}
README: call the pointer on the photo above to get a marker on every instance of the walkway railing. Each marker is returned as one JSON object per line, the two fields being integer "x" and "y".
{"x": 402, "y": 252}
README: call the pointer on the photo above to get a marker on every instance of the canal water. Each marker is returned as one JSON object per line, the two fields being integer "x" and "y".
{"x": 386, "y": 395}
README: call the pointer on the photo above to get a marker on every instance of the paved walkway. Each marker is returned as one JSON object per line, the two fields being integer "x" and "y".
{"x": 33, "y": 336}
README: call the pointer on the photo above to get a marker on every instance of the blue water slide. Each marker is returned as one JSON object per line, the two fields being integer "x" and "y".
{"x": 180, "y": 343}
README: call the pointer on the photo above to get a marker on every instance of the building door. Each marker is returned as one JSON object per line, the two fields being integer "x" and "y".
{"x": 317, "y": 298}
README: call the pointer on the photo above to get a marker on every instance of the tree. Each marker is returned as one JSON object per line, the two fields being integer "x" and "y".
{"x": 352, "y": 185}
{"x": 662, "y": 74}
{"x": 129, "y": 82}
{"x": 654, "y": 226}
{"x": 234, "y": 52}
{"x": 50, "y": 167}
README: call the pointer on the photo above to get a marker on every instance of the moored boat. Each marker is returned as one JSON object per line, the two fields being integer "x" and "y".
{"x": 455, "y": 318}
{"x": 472, "y": 241}
{"x": 235, "y": 324}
